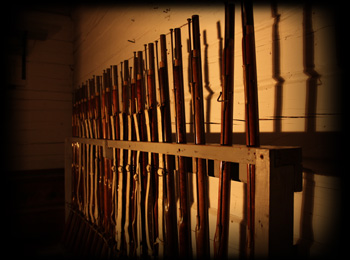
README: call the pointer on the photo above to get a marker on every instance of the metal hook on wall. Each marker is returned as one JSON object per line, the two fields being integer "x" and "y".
{"x": 221, "y": 100}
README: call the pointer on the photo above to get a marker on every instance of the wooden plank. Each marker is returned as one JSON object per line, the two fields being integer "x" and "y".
{"x": 107, "y": 151}
{"x": 236, "y": 153}
{"x": 98, "y": 142}
{"x": 281, "y": 210}
{"x": 262, "y": 205}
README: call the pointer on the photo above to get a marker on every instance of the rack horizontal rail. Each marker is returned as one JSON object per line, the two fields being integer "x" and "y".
{"x": 235, "y": 153}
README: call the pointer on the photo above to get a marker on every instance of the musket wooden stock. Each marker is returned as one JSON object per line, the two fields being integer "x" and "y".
{"x": 185, "y": 249}
{"x": 223, "y": 212}
{"x": 251, "y": 112}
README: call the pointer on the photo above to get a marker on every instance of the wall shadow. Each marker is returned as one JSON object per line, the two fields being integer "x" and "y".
{"x": 319, "y": 149}
{"x": 209, "y": 97}
{"x": 276, "y": 68}
{"x": 309, "y": 69}
{"x": 220, "y": 51}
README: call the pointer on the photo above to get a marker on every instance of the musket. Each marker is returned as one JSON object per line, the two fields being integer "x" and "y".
{"x": 251, "y": 111}
{"x": 99, "y": 164}
{"x": 160, "y": 202}
{"x": 115, "y": 136}
{"x": 184, "y": 227}
{"x": 86, "y": 151}
{"x": 152, "y": 184}
{"x": 89, "y": 170}
{"x": 122, "y": 160}
{"x": 134, "y": 201}
{"x": 223, "y": 209}
{"x": 69, "y": 225}
{"x": 99, "y": 152}
{"x": 93, "y": 246}
{"x": 110, "y": 161}
{"x": 171, "y": 237}
{"x": 115, "y": 127}
{"x": 106, "y": 130}
{"x": 202, "y": 228}
{"x": 149, "y": 180}
{"x": 76, "y": 203}
{"x": 91, "y": 173}
{"x": 96, "y": 115}
{"x": 105, "y": 164}
{"x": 160, "y": 240}
{"x": 141, "y": 161}
{"x": 129, "y": 163}
{"x": 148, "y": 198}
{"x": 82, "y": 202}
{"x": 90, "y": 238}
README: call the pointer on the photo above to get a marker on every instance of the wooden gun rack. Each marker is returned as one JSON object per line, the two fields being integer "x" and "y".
{"x": 278, "y": 176}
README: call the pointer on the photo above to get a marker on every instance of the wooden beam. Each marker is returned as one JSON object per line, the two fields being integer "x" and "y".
{"x": 236, "y": 153}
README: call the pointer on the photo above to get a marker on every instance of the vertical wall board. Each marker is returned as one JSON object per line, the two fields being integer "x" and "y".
{"x": 41, "y": 103}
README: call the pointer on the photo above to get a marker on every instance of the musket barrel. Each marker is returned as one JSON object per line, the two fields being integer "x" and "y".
{"x": 251, "y": 112}
{"x": 171, "y": 239}
{"x": 250, "y": 76}
{"x": 223, "y": 213}
{"x": 185, "y": 249}
{"x": 202, "y": 228}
